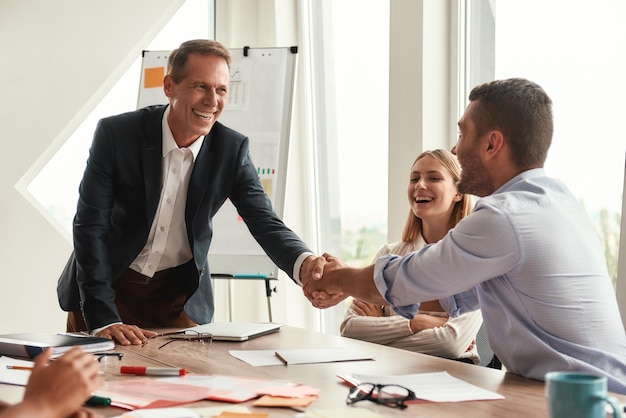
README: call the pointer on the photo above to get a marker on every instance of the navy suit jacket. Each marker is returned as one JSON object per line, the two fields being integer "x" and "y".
{"x": 118, "y": 199}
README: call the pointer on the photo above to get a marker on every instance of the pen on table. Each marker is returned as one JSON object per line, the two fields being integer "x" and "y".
{"x": 152, "y": 371}
{"x": 19, "y": 367}
{"x": 98, "y": 401}
{"x": 281, "y": 358}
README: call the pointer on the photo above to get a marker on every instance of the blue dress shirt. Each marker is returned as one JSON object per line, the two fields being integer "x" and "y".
{"x": 529, "y": 258}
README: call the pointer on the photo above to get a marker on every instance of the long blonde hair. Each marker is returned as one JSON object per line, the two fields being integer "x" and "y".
{"x": 413, "y": 226}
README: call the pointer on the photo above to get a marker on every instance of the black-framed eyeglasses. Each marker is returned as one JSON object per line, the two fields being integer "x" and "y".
{"x": 100, "y": 356}
{"x": 394, "y": 396}
{"x": 184, "y": 335}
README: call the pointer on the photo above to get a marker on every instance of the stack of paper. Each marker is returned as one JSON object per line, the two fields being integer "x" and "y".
{"x": 146, "y": 392}
{"x": 172, "y": 391}
{"x": 232, "y": 388}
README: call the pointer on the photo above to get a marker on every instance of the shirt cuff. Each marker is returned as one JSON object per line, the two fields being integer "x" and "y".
{"x": 407, "y": 311}
{"x": 97, "y": 330}
{"x": 298, "y": 264}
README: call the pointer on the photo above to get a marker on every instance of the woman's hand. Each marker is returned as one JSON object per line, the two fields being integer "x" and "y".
{"x": 367, "y": 309}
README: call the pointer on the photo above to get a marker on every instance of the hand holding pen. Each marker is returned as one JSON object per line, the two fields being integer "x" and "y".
{"x": 58, "y": 388}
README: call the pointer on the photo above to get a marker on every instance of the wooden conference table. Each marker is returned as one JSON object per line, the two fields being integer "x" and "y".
{"x": 523, "y": 397}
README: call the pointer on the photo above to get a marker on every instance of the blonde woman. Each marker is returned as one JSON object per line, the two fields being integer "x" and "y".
{"x": 436, "y": 206}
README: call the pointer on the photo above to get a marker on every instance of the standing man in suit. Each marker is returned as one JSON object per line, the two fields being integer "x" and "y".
{"x": 154, "y": 180}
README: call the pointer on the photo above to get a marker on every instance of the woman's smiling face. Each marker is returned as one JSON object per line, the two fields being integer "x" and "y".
{"x": 431, "y": 190}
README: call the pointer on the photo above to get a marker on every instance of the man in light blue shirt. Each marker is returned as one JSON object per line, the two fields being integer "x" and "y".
{"x": 527, "y": 256}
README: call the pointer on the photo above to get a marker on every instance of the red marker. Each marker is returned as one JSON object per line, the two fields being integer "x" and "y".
{"x": 152, "y": 371}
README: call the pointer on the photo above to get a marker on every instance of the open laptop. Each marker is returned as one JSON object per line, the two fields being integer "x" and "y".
{"x": 236, "y": 331}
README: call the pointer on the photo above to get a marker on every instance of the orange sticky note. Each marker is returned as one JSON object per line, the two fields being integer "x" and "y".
{"x": 153, "y": 77}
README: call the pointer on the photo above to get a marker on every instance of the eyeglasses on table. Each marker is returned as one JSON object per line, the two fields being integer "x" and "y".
{"x": 109, "y": 362}
{"x": 184, "y": 335}
{"x": 100, "y": 356}
{"x": 393, "y": 396}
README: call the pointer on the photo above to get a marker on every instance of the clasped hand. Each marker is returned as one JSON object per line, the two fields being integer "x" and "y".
{"x": 320, "y": 280}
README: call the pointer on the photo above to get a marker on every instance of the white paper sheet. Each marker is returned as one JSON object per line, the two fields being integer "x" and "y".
{"x": 190, "y": 412}
{"x": 14, "y": 377}
{"x": 257, "y": 357}
{"x": 297, "y": 356}
{"x": 319, "y": 355}
{"x": 435, "y": 387}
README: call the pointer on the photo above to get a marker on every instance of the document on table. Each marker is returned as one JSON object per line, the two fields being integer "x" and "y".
{"x": 297, "y": 356}
{"x": 434, "y": 387}
{"x": 318, "y": 355}
{"x": 13, "y": 376}
{"x": 189, "y": 412}
{"x": 146, "y": 392}
{"x": 257, "y": 357}
{"x": 232, "y": 388}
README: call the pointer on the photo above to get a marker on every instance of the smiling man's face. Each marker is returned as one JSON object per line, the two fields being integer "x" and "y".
{"x": 198, "y": 100}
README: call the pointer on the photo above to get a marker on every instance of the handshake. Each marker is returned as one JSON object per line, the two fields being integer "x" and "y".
{"x": 326, "y": 281}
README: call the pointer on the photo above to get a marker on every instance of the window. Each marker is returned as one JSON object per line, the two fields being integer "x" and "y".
{"x": 574, "y": 50}
{"x": 351, "y": 69}
{"x": 56, "y": 185}
{"x": 361, "y": 85}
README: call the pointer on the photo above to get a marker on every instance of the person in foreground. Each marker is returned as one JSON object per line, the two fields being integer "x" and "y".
{"x": 527, "y": 256}
{"x": 58, "y": 389}
{"x": 435, "y": 207}
{"x": 154, "y": 180}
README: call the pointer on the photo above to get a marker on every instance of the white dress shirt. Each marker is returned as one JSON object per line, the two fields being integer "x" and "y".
{"x": 167, "y": 245}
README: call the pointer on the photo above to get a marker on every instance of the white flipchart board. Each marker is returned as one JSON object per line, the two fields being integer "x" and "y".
{"x": 259, "y": 106}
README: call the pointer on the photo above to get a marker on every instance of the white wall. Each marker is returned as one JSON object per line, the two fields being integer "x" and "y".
{"x": 58, "y": 59}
